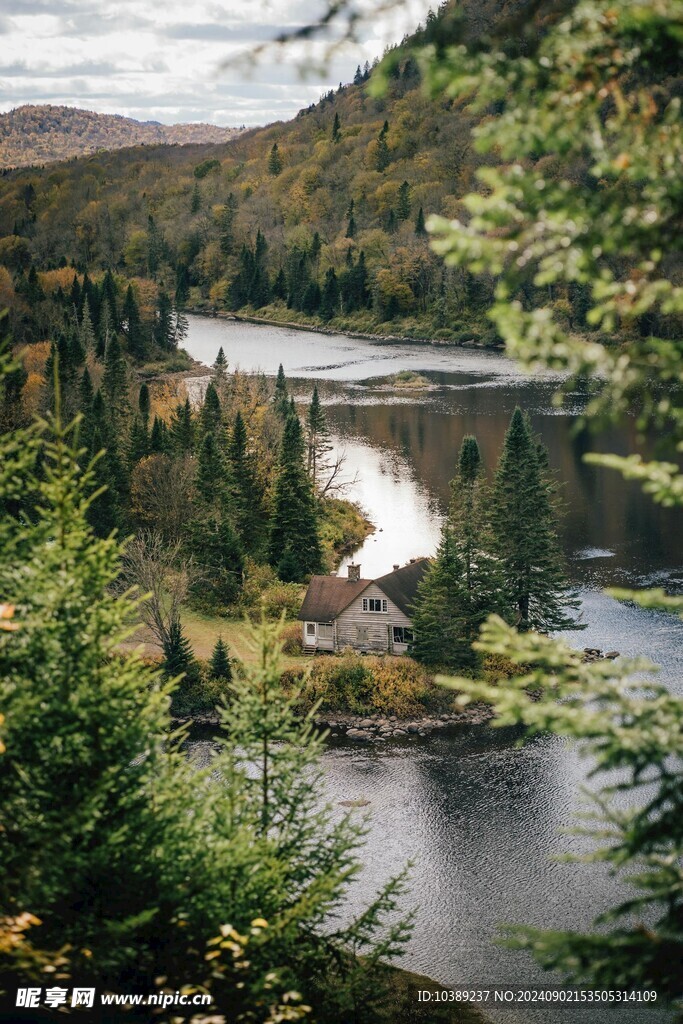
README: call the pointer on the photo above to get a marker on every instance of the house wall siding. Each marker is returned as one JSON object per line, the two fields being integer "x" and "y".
{"x": 379, "y": 637}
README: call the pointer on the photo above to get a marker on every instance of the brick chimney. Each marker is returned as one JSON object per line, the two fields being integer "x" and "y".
{"x": 354, "y": 572}
{"x": 396, "y": 566}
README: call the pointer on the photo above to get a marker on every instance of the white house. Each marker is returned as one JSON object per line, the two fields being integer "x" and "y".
{"x": 372, "y": 616}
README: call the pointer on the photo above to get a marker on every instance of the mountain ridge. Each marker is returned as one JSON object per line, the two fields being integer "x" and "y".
{"x": 35, "y": 134}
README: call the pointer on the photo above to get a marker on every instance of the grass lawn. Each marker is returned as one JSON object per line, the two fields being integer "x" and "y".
{"x": 203, "y": 630}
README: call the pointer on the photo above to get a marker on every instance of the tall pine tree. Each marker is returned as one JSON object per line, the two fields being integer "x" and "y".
{"x": 294, "y": 549}
{"x": 524, "y": 520}
{"x": 464, "y": 584}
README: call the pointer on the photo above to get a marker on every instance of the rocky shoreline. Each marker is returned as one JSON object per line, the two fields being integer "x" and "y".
{"x": 370, "y": 728}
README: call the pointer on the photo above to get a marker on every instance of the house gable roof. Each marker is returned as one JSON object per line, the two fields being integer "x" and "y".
{"x": 327, "y": 596}
{"x": 401, "y": 585}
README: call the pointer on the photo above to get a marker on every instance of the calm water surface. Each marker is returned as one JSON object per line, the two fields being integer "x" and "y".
{"x": 480, "y": 817}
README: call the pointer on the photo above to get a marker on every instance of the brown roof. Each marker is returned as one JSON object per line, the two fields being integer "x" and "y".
{"x": 401, "y": 585}
{"x": 327, "y": 596}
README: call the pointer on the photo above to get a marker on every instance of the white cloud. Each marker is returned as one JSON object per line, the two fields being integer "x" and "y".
{"x": 175, "y": 61}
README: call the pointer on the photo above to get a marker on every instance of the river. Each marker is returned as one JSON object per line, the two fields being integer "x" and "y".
{"x": 479, "y": 816}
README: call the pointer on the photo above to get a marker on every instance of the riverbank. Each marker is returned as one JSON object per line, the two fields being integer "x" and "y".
{"x": 469, "y": 339}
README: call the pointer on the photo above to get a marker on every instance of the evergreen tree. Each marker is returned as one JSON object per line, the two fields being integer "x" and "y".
{"x": 115, "y": 386}
{"x": 358, "y": 77}
{"x": 210, "y": 481}
{"x": 383, "y": 157}
{"x": 279, "y": 290}
{"x": 181, "y": 432}
{"x": 281, "y": 395}
{"x": 336, "y": 128}
{"x": 179, "y": 659}
{"x": 159, "y": 441}
{"x": 182, "y": 284}
{"x": 274, "y": 161}
{"x": 164, "y": 323}
{"x": 329, "y": 300}
{"x": 132, "y": 326}
{"x": 220, "y": 366}
{"x": 210, "y": 417}
{"x": 144, "y": 404}
{"x": 247, "y": 499}
{"x": 196, "y": 199}
{"x": 109, "y": 293}
{"x": 525, "y": 527}
{"x": 404, "y": 201}
{"x": 219, "y": 665}
{"x": 218, "y": 558}
{"x": 105, "y": 329}
{"x": 138, "y": 446}
{"x": 318, "y": 437}
{"x": 464, "y": 583}
{"x": 86, "y": 427}
{"x": 294, "y": 539}
{"x": 392, "y": 222}
{"x": 310, "y": 302}
{"x": 420, "y": 228}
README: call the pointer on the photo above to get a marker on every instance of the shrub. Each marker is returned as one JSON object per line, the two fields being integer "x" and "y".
{"x": 371, "y": 685}
{"x": 292, "y": 643}
{"x": 199, "y": 694}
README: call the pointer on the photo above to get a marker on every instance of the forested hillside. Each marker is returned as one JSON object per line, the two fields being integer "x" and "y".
{"x": 319, "y": 220}
{"x": 44, "y": 133}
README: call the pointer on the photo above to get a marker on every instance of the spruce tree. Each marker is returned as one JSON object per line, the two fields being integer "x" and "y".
{"x": 210, "y": 482}
{"x": 318, "y": 437}
{"x": 218, "y": 557}
{"x": 164, "y": 324}
{"x": 274, "y": 161}
{"x": 144, "y": 404}
{"x": 329, "y": 301}
{"x": 336, "y": 128}
{"x": 420, "y": 228}
{"x": 524, "y": 522}
{"x": 281, "y": 395}
{"x": 403, "y": 204}
{"x": 219, "y": 665}
{"x": 159, "y": 441}
{"x": 464, "y": 584}
{"x": 383, "y": 157}
{"x": 115, "y": 387}
{"x": 132, "y": 326}
{"x": 138, "y": 445}
{"x": 247, "y": 499}
{"x": 179, "y": 659}
{"x": 196, "y": 199}
{"x": 220, "y": 366}
{"x": 210, "y": 416}
{"x": 294, "y": 548}
{"x": 181, "y": 431}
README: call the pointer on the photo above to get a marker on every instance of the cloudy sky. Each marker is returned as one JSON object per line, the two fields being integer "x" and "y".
{"x": 175, "y": 60}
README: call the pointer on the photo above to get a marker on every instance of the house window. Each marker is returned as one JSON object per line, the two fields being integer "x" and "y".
{"x": 310, "y": 629}
{"x": 374, "y": 604}
{"x": 325, "y": 631}
{"x": 403, "y": 635}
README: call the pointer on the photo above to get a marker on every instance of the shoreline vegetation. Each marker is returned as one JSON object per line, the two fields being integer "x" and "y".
{"x": 344, "y": 325}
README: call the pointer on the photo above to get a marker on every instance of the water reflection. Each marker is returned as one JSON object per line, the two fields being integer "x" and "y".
{"x": 479, "y": 816}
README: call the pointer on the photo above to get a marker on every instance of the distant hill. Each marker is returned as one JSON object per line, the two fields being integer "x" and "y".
{"x": 41, "y": 134}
